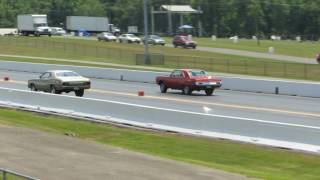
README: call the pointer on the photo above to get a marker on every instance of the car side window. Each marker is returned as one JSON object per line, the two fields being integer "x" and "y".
{"x": 45, "y": 76}
{"x": 177, "y": 74}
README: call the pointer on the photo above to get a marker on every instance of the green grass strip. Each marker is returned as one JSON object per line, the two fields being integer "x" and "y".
{"x": 246, "y": 159}
{"x": 163, "y": 57}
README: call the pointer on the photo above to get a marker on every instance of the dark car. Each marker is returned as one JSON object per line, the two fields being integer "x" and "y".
{"x": 183, "y": 41}
{"x": 189, "y": 80}
{"x": 155, "y": 40}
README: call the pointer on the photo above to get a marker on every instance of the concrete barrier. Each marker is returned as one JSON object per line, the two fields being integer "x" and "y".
{"x": 285, "y": 87}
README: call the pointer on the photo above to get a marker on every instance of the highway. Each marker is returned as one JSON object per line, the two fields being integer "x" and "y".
{"x": 283, "y": 118}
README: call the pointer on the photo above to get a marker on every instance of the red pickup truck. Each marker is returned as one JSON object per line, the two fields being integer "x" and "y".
{"x": 189, "y": 80}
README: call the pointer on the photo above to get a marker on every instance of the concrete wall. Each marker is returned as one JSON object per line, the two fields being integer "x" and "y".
{"x": 286, "y": 87}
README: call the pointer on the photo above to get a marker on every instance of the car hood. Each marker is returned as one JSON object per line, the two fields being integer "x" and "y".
{"x": 110, "y": 37}
{"x": 70, "y": 79}
{"x": 134, "y": 38}
{"x": 190, "y": 42}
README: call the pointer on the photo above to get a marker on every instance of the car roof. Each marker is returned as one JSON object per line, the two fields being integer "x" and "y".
{"x": 189, "y": 70}
{"x": 57, "y": 71}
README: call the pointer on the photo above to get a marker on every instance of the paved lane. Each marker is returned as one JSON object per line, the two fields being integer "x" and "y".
{"x": 284, "y": 118}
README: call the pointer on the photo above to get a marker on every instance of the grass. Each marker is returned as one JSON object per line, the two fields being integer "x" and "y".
{"x": 308, "y": 49}
{"x": 246, "y": 159}
{"x": 126, "y": 54}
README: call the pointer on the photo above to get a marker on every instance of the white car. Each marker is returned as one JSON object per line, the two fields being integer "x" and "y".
{"x": 106, "y": 36}
{"x": 58, "y": 31}
{"x": 58, "y": 81}
{"x": 129, "y": 38}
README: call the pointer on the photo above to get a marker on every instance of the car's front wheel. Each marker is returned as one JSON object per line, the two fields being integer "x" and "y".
{"x": 209, "y": 92}
{"x": 79, "y": 92}
{"x": 163, "y": 88}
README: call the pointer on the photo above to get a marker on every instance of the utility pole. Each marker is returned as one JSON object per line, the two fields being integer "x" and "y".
{"x": 146, "y": 45}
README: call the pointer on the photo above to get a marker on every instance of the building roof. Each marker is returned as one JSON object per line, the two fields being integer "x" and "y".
{"x": 179, "y": 8}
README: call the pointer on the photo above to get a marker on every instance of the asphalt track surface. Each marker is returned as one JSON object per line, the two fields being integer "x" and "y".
{"x": 284, "y": 118}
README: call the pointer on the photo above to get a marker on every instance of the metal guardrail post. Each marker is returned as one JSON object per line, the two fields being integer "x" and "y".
{"x": 305, "y": 71}
{"x": 4, "y": 175}
{"x": 284, "y": 69}
{"x": 265, "y": 68}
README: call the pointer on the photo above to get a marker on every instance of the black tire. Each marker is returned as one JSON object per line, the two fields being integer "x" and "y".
{"x": 194, "y": 47}
{"x": 79, "y": 92}
{"x": 53, "y": 90}
{"x": 33, "y": 87}
{"x": 187, "y": 90}
{"x": 209, "y": 92}
{"x": 120, "y": 40}
{"x": 163, "y": 88}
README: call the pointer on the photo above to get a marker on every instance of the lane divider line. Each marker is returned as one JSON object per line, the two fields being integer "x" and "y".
{"x": 282, "y": 111}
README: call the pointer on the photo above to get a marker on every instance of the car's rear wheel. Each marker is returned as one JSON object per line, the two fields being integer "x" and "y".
{"x": 163, "y": 88}
{"x": 33, "y": 87}
{"x": 209, "y": 92}
{"x": 187, "y": 90}
{"x": 53, "y": 90}
{"x": 79, "y": 92}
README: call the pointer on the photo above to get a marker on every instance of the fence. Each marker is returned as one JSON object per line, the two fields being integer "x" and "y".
{"x": 124, "y": 55}
{"x": 11, "y": 175}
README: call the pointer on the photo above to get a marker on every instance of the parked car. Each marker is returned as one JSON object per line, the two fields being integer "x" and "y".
{"x": 129, "y": 38}
{"x": 155, "y": 39}
{"x": 58, "y": 81}
{"x": 183, "y": 41}
{"x": 106, "y": 36}
{"x": 189, "y": 80}
{"x": 58, "y": 31}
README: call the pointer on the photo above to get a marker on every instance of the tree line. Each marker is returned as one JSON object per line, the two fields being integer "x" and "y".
{"x": 220, "y": 17}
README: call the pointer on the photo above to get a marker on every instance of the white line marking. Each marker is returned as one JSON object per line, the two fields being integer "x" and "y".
{"x": 178, "y": 111}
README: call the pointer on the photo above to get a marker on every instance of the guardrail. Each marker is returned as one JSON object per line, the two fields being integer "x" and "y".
{"x": 285, "y": 87}
{"x": 6, "y": 174}
{"x": 117, "y": 55}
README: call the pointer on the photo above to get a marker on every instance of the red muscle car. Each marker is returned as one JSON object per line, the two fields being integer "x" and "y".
{"x": 189, "y": 80}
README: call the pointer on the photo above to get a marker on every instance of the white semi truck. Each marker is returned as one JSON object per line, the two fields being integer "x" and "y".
{"x": 90, "y": 24}
{"x": 35, "y": 24}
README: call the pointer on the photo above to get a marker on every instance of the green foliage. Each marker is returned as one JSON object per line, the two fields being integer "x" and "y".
{"x": 220, "y": 17}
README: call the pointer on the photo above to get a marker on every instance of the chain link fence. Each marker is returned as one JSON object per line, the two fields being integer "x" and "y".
{"x": 78, "y": 50}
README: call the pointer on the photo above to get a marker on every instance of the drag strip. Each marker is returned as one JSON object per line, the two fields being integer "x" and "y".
{"x": 258, "y": 116}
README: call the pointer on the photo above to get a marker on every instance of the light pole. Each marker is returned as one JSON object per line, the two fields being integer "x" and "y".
{"x": 146, "y": 45}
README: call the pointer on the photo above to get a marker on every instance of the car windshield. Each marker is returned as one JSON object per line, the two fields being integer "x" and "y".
{"x": 107, "y": 34}
{"x": 198, "y": 73}
{"x": 155, "y": 37}
{"x": 67, "y": 74}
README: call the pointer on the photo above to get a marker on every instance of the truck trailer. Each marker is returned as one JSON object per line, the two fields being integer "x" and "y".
{"x": 90, "y": 24}
{"x": 35, "y": 24}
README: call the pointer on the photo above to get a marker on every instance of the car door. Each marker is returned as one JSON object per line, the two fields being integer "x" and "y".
{"x": 181, "y": 80}
{"x": 175, "y": 79}
{"x": 44, "y": 81}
